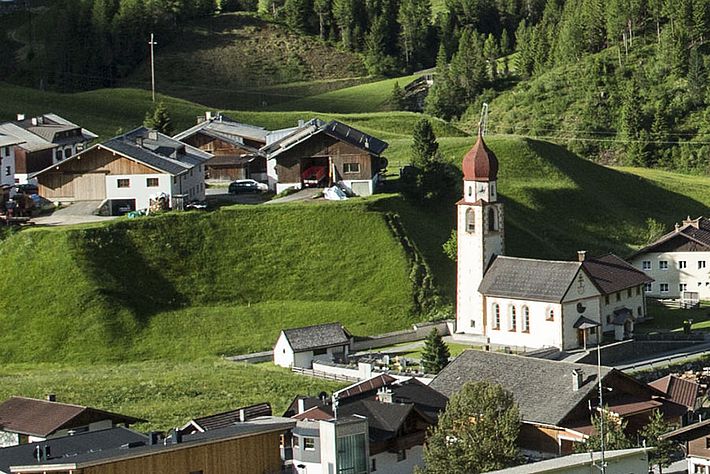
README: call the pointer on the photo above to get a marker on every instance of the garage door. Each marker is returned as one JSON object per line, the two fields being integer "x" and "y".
{"x": 90, "y": 187}
{"x": 361, "y": 188}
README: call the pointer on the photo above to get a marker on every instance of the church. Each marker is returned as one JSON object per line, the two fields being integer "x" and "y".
{"x": 531, "y": 303}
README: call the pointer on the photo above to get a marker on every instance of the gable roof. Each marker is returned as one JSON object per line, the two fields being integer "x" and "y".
{"x": 696, "y": 231}
{"x": 227, "y": 129}
{"x": 9, "y": 140}
{"x": 41, "y": 132}
{"x": 69, "y": 446}
{"x": 151, "y": 148}
{"x": 316, "y": 337}
{"x": 35, "y": 417}
{"x": 690, "y": 432}
{"x": 681, "y": 391}
{"x": 611, "y": 273}
{"x": 383, "y": 419}
{"x": 227, "y": 418}
{"x": 366, "y": 386}
{"x": 30, "y": 141}
{"x": 575, "y": 462}
{"x": 335, "y": 129}
{"x": 530, "y": 279}
{"x": 542, "y": 388}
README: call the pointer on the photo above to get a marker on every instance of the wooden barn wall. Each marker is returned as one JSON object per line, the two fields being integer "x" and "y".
{"x": 104, "y": 161}
{"x": 32, "y": 162}
{"x": 252, "y": 455}
{"x": 287, "y": 164}
{"x": 539, "y": 438}
{"x": 217, "y": 146}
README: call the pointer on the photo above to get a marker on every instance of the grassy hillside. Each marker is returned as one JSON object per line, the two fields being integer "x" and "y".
{"x": 372, "y": 97}
{"x": 108, "y": 111}
{"x": 226, "y": 60}
{"x": 186, "y": 285}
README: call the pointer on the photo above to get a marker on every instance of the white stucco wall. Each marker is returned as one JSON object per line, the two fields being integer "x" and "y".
{"x": 543, "y": 333}
{"x": 370, "y": 186}
{"x": 190, "y": 183}
{"x": 281, "y": 187}
{"x": 138, "y": 188}
{"x": 386, "y": 463}
{"x": 623, "y": 300}
{"x": 697, "y": 464}
{"x": 7, "y": 165}
{"x": 283, "y": 354}
{"x": 696, "y": 279}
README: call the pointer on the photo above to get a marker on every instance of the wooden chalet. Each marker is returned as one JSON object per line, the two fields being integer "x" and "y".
{"x": 320, "y": 154}
{"x": 235, "y": 147}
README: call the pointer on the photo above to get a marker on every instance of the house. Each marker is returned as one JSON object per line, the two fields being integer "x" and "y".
{"x": 681, "y": 391}
{"x": 695, "y": 439}
{"x": 526, "y": 302}
{"x": 66, "y": 446}
{"x": 299, "y": 347}
{"x": 398, "y": 412}
{"x": 234, "y": 146}
{"x": 319, "y": 154}
{"x": 679, "y": 262}
{"x": 227, "y": 418}
{"x": 330, "y": 446}
{"x": 26, "y": 420}
{"x": 46, "y": 139}
{"x": 556, "y": 399}
{"x": 620, "y": 461}
{"x": 241, "y": 448}
{"x": 7, "y": 159}
{"x": 127, "y": 171}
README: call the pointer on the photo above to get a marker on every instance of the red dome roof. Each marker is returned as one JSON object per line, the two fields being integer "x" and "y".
{"x": 480, "y": 164}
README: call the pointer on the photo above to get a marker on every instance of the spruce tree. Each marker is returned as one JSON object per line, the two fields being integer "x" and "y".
{"x": 397, "y": 100}
{"x": 663, "y": 448}
{"x": 444, "y": 98}
{"x": 697, "y": 78}
{"x": 158, "y": 119}
{"x": 615, "y": 436}
{"x": 477, "y": 432}
{"x": 435, "y": 355}
{"x": 424, "y": 144}
{"x": 631, "y": 126}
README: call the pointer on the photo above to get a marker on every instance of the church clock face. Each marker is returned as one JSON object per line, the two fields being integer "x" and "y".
{"x": 481, "y": 189}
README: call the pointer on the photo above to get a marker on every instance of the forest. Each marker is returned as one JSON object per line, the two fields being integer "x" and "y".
{"x": 635, "y": 71}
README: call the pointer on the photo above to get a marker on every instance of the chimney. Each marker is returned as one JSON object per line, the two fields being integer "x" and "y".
{"x": 51, "y": 397}
{"x": 208, "y": 115}
{"x": 242, "y": 415}
{"x": 301, "y": 406}
{"x": 301, "y": 123}
{"x": 152, "y": 134}
{"x": 20, "y": 117}
{"x": 35, "y": 121}
{"x": 581, "y": 255}
{"x": 577, "y": 375}
{"x": 177, "y": 436}
{"x": 384, "y": 395}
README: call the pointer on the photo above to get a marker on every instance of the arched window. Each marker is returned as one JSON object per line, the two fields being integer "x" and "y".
{"x": 492, "y": 223}
{"x": 526, "y": 319}
{"x": 513, "y": 319}
{"x": 495, "y": 309}
{"x": 470, "y": 221}
{"x": 550, "y": 314}
{"x": 470, "y": 191}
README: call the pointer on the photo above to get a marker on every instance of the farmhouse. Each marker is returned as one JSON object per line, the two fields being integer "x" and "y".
{"x": 696, "y": 443}
{"x": 227, "y": 418}
{"x": 320, "y": 154}
{"x": 533, "y": 303}
{"x": 26, "y": 420}
{"x": 7, "y": 159}
{"x": 235, "y": 147}
{"x": 679, "y": 262}
{"x": 127, "y": 171}
{"x": 241, "y": 448}
{"x": 299, "y": 347}
{"x": 46, "y": 139}
{"x": 555, "y": 397}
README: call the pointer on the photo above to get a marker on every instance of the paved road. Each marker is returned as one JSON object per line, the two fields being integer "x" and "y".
{"x": 222, "y": 195}
{"x": 302, "y": 195}
{"x": 76, "y": 213}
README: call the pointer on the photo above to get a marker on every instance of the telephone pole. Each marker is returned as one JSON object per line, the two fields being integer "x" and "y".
{"x": 152, "y": 64}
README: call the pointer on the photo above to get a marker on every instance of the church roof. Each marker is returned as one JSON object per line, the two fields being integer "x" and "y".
{"x": 529, "y": 279}
{"x": 480, "y": 163}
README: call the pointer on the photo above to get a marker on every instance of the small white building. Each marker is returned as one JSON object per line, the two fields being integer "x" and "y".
{"x": 299, "y": 347}
{"x": 620, "y": 461}
{"x": 7, "y": 159}
{"x": 679, "y": 262}
{"x": 127, "y": 171}
{"x": 532, "y": 303}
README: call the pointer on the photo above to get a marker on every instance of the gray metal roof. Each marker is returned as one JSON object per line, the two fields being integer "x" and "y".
{"x": 524, "y": 278}
{"x": 564, "y": 463}
{"x": 316, "y": 337}
{"x": 541, "y": 388}
{"x": 31, "y": 142}
{"x": 9, "y": 140}
{"x": 226, "y": 129}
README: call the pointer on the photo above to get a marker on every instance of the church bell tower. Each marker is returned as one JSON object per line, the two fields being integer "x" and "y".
{"x": 479, "y": 235}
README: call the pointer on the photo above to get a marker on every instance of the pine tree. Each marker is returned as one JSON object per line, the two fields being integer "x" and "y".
{"x": 424, "y": 144}
{"x": 490, "y": 53}
{"x": 397, "y": 100}
{"x": 444, "y": 98}
{"x": 344, "y": 15}
{"x": 298, "y": 15}
{"x": 322, "y": 9}
{"x": 415, "y": 20}
{"x": 435, "y": 355}
{"x": 614, "y": 434}
{"x": 476, "y": 433}
{"x": 376, "y": 59}
{"x": 697, "y": 78}
{"x": 159, "y": 119}
{"x": 468, "y": 66}
{"x": 631, "y": 126}
{"x": 663, "y": 448}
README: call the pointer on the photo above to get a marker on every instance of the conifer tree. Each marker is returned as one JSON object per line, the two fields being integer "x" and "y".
{"x": 424, "y": 144}
{"x": 615, "y": 436}
{"x": 435, "y": 355}
{"x": 697, "y": 78}
{"x": 631, "y": 125}
{"x": 415, "y": 20}
{"x": 663, "y": 448}
{"x": 444, "y": 99}
{"x": 159, "y": 119}
{"x": 397, "y": 100}
{"x": 490, "y": 53}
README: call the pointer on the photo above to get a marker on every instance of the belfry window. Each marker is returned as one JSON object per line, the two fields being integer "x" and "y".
{"x": 470, "y": 221}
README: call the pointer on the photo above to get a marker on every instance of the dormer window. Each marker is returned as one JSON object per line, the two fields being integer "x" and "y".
{"x": 470, "y": 221}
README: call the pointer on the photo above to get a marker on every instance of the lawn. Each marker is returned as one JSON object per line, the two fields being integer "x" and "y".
{"x": 671, "y": 319}
{"x": 455, "y": 349}
{"x": 165, "y": 393}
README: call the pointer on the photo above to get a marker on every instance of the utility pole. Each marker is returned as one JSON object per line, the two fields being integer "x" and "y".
{"x": 602, "y": 466}
{"x": 152, "y": 64}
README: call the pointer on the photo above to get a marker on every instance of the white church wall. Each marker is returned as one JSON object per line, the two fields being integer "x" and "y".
{"x": 571, "y": 312}
{"x": 543, "y": 331}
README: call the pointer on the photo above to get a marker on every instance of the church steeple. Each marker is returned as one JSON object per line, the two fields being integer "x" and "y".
{"x": 480, "y": 172}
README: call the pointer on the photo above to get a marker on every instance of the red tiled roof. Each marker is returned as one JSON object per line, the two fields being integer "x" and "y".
{"x": 629, "y": 406}
{"x": 315, "y": 413}
{"x": 681, "y": 391}
{"x": 41, "y": 418}
{"x": 611, "y": 273}
{"x": 480, "y": 163}
{"x": 366, "y": 386}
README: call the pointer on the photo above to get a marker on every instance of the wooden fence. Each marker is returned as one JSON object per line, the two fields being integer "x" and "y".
{"x": 324, "y": 375}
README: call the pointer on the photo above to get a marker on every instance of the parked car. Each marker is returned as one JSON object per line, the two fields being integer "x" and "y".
{"x": 27, "y": 189}
{"x": 246, "y": 186}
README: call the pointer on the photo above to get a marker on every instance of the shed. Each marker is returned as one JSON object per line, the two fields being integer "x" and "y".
{"x": 298, "y": 347}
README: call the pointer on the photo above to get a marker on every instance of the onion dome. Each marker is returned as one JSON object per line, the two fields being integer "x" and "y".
{"x": 480, "y": 163}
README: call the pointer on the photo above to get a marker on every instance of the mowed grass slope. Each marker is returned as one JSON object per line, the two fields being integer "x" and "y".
{"x": 189, "y": 285}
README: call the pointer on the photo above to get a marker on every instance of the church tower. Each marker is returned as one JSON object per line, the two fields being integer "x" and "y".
{"x": 479, "y": 234}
